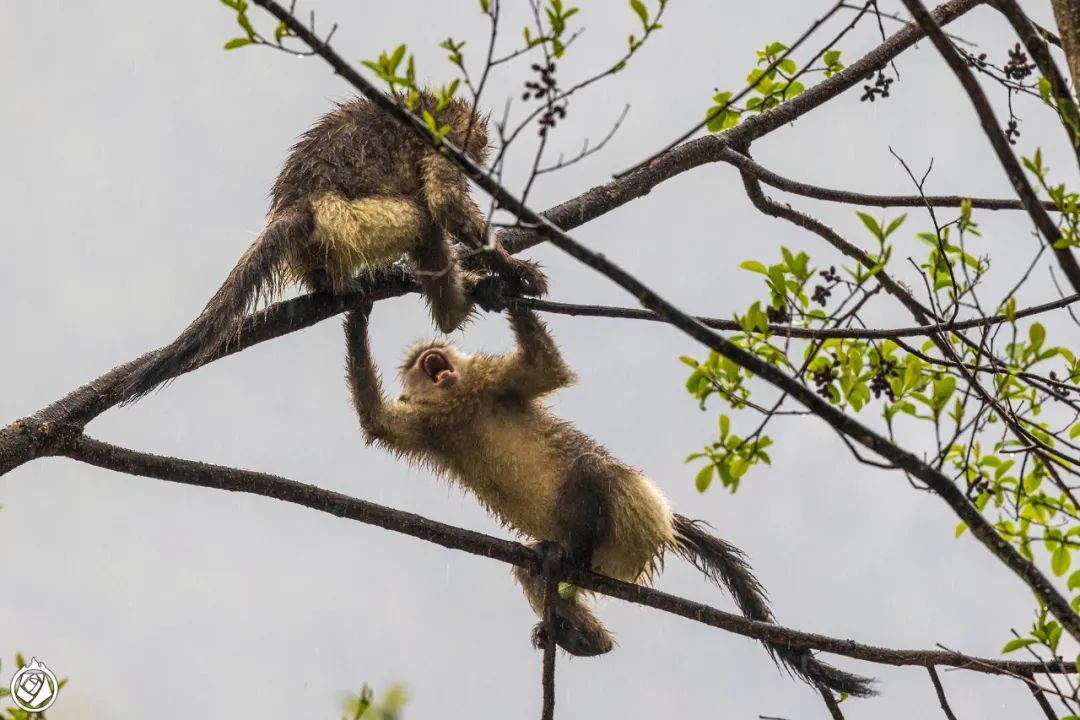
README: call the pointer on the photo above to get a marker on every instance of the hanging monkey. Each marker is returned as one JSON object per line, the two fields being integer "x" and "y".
{"x": 479, "y": 420}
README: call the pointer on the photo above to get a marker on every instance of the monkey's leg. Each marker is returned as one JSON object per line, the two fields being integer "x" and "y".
{"x": 577, "y": 629}
{"x": 582, "y": 523}
{"x": 446, "y": 286}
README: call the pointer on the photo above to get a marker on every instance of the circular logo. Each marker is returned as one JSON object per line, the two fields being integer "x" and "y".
{"x": 34, "y": 687}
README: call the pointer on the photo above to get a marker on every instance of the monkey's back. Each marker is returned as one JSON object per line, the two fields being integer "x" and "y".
{"x": 354, "y": 151}
{"x": 516, "y": 459}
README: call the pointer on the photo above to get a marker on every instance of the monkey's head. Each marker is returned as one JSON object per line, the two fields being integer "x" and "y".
{"x": 432, "y": 370}
{"x": 468, "y": 129}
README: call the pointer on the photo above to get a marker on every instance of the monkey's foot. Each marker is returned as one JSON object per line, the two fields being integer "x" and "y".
{"x": 526, "y": 277}
{"x": 577, "y": 641}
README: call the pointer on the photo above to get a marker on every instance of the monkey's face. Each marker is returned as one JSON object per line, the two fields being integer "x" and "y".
{"x": 433, "y": 371}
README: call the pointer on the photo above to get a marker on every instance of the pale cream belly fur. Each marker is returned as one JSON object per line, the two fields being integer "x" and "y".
{"x": 517, "y": 476}
{"x": 350, "y": 235}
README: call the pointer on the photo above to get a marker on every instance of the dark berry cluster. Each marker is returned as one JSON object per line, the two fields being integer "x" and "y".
{"x": 823, "y": 378}
{"x": 973, "y": 61}
{"x": 1012, "y": 131}
{"x": 777, "y": 316}
{"x": 1018, "y": 66}
{"x": 879, "y": 384}
{"x": 821, "y": 292}
{"x": 879, "y": 88}
{"x": 546, "y": 85}
{"x": 545, "y": 88}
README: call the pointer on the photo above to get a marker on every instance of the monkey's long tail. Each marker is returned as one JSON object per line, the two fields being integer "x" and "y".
{"x": 255, "y": 275}
{"x": 727, "y": 566}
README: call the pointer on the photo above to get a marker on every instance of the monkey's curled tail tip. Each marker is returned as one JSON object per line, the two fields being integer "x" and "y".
{"x": 814, "y": 671}
{"x": 726, "y": 566}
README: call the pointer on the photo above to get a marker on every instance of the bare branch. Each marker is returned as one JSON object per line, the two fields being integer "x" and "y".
{"x": 189, "y": 472}
{"x": 942, "y": 700}
{"x": 830, "y": 702}
{"x": 551, "y": 594}
{"x": 816, "y": 192}
{"x": 791, "y": 330}
{"x": 1043, "y": 221}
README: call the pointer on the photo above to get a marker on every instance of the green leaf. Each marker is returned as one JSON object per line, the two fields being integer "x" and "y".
{"x": 1074, "y": 431}
{"x": 1037, "y": 335}
{"x": 831, "y": 56}
{"x": 640, "y": 9}
{"x": 871, "y": 225}
{"x": 238, "y": 42}
{"x": 1017, "y": 643}
{"x": 793, "y": 89}
{"x": 1060, "y": 560}
{"x": 704, "y": 478}
{"x": 753, "y": 266}
{"x": 895, "y": 224}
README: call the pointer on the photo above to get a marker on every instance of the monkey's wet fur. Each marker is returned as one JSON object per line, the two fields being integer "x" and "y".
{"x": 480, "y": 421}
{"x": 358, "y": 191}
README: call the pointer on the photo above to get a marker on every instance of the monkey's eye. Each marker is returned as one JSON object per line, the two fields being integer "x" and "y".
{"x": 403, "y": 398}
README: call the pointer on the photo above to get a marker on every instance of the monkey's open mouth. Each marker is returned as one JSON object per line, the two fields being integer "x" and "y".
{"x": 437, "y": 367}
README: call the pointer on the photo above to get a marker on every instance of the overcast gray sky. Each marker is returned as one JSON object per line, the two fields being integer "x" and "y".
{"x": 137, "y": 159}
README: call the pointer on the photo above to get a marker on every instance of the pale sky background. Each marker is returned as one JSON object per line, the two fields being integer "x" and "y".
{"x": 137, "y": 158}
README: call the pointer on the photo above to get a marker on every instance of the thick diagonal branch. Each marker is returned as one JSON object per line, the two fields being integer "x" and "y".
{"x": 1047, "y": 227}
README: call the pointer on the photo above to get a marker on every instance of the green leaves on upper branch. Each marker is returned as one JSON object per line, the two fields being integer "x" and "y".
{"x": 250, "y": 37}
{"x": 649, "y": 26}
{"x": 773, "y": 81}
{"x": 557, "y": 14}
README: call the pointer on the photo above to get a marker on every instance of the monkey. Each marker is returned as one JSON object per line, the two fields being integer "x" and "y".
{"x": 480, "y": 420}
{"x": 358, "y": 191}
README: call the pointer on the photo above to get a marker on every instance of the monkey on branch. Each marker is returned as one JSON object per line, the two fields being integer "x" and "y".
{"x": 480, "y": 421}
{"x": 358, "y": 192}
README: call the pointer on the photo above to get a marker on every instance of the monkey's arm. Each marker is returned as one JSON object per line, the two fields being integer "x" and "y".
{"x": 447, "y": 288}
{"x": 536, "y": 366}
{"x": 381, "y": 420}
{"x": 446, "y": 193}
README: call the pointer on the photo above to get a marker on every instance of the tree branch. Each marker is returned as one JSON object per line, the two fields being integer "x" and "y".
{"x": 198, "y": 474}
{"x": 1039, "y": 51}
{"x": 816, "y": 192}
{"x": 604, "y": 198}
{"x": 942, "y": 700}
{"x": 1043, "y": 221}
{"x": 792, "y": 331}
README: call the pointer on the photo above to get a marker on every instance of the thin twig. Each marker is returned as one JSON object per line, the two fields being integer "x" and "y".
{"x": 942, "y": 700}
{"x": 830, "y": 702}
{"x": 816, "y": 192}
{"x": 791, "y": 330}
{"x": 551, "y": 595}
